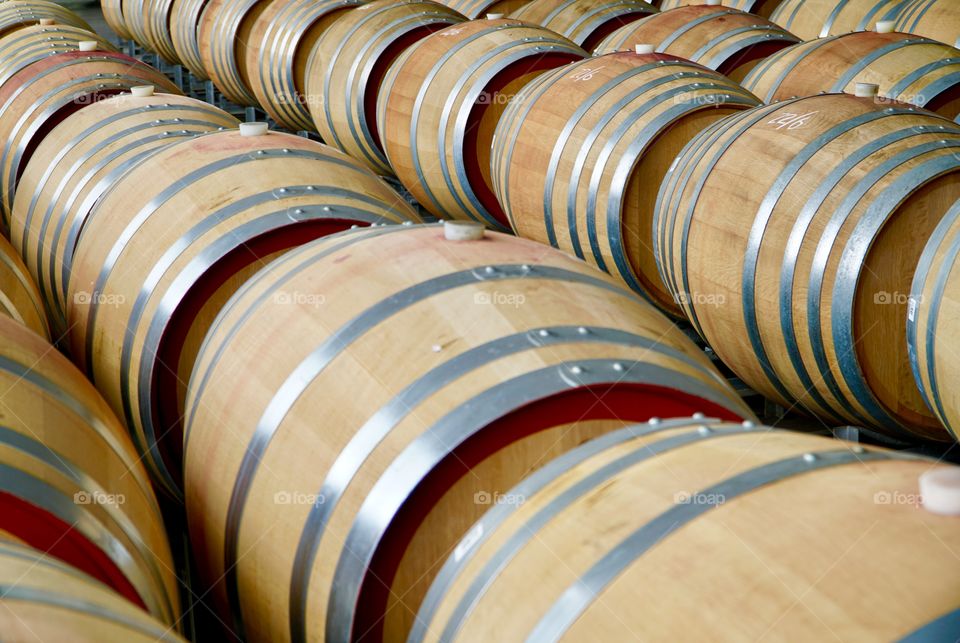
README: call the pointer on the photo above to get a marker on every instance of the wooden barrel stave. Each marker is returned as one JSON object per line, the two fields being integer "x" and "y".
{"x": 351, "y": 59}
{"x": 281, "y": 40}
{"x": 42, "y": 94}
{"x": 577, "y": 150}
{"x": 185, "y": 18}
{"x": 137, "y": 341}
{"x": 555, "y": 305}
{"x": 937, "y": 19}
{"x": 585, "y": 22}
{"x": 113, "y": 15}
{"x": 73, "y": 485}
{"x": 811, "y": 19}
{"x": 19, "y": 297}
{"x": 624, "y": 512}
{"x": 725, "y": 40}
{"x": 761, "y": 8}
{"x": 428, "y": 105}
{"x": 81, "y": 159}
{"x": 222, "y": 37}
{"x": 865, "y": 180}
{"x": 476, "y": 9}
{"x": 158, "y": 16}
{"x": 906, "y": 69}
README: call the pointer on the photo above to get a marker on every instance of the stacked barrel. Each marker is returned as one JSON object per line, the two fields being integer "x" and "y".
{"x": 504, "y": 425}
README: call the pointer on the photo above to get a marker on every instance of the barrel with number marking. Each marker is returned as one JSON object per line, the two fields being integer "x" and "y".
{"x": 442, "y": 99}
{"x": 800, "y": 277}
{"x": 656, "y": 532}
{"x": 906, "y": 68}
{"x": 581, "y": 151}
{"x": 174, "y": 237}
{"x": 585, "y": 22}
{"x": 346, "y": 69}
{"x": 726, "y": 40}
{"x": 444, "y": 372}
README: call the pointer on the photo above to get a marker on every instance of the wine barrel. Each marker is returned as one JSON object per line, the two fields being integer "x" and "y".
{"x": 811, "y": 19}
{"x": 585, "y": 22}
{"x": 173, "y": 238}
{"x": 19, "y": 298}
{"x": 580, "y": 153}
{"x": 184, "y": 34}
{"x": 937, "y": 19}
{"x": 72, "y": 484}
{"x": 347, "y": 66}
{"x": 74, "y": 166}
{"x": 42, "y": 94}
{"x": 280, "y": 43}
{"x": 906, "y": 69}
{"x": 726, "y": 40}
{"x": 223, "y": 35}
{"x": 761, "y": 8}
{"x": 416, "y": 423}
{"x": 818, "y": 249}
{"x": 17, "y": 14}
{"x": 474, "y": 9}
{"x": 615, "y": 527}
{"x": 45, "y": 600}
{"x": 30, "y": 44}
{"x": 149, "y": 22}
{"x": 113, "y": 15}
{"x": 441, "y": 100}
{"x": 932, "y": 322}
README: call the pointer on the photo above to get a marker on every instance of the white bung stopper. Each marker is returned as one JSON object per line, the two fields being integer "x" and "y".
{"x": 463, "y": 230}
{"x": 940, "y": 491}
{"x": 254, "y": 129}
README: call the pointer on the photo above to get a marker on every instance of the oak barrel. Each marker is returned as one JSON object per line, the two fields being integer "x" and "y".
{"x": 799, "y": 277}
{"x": 72, "y": 483}
{"x": 43, "y": 599}
{"x": 30, "y": 44}
{"x": 726, "y": 40}
{"x": 585, "y": 22}
{"x": 666, "y": 531}
{"x": 761, "y": 8}
{"x": 19, "y": 297}
{"x": 17, "y": 14}
{"x": 580, "y": 153}
{"x": 347, "y": 66}
{"x": 906, "y": 68}
{"x": 113, "y": 15}
{"x": 280, "y": 43}
{"x": 440, "y": 103}
{"x": 474, "y": 9}
{"x": 450, "y": 357}
{"x": 173, "y": 238}
{"x": 150, "y": 24}
{"x": 223, "y": 35}
{"x": 811, "y": 19}
{"x": 184, "y": 34}
{"x": 39, "y": 96}
{"x": 937, "y": 19}
{"x": 932, "y": 322}
{"x": 74, "y": 166}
